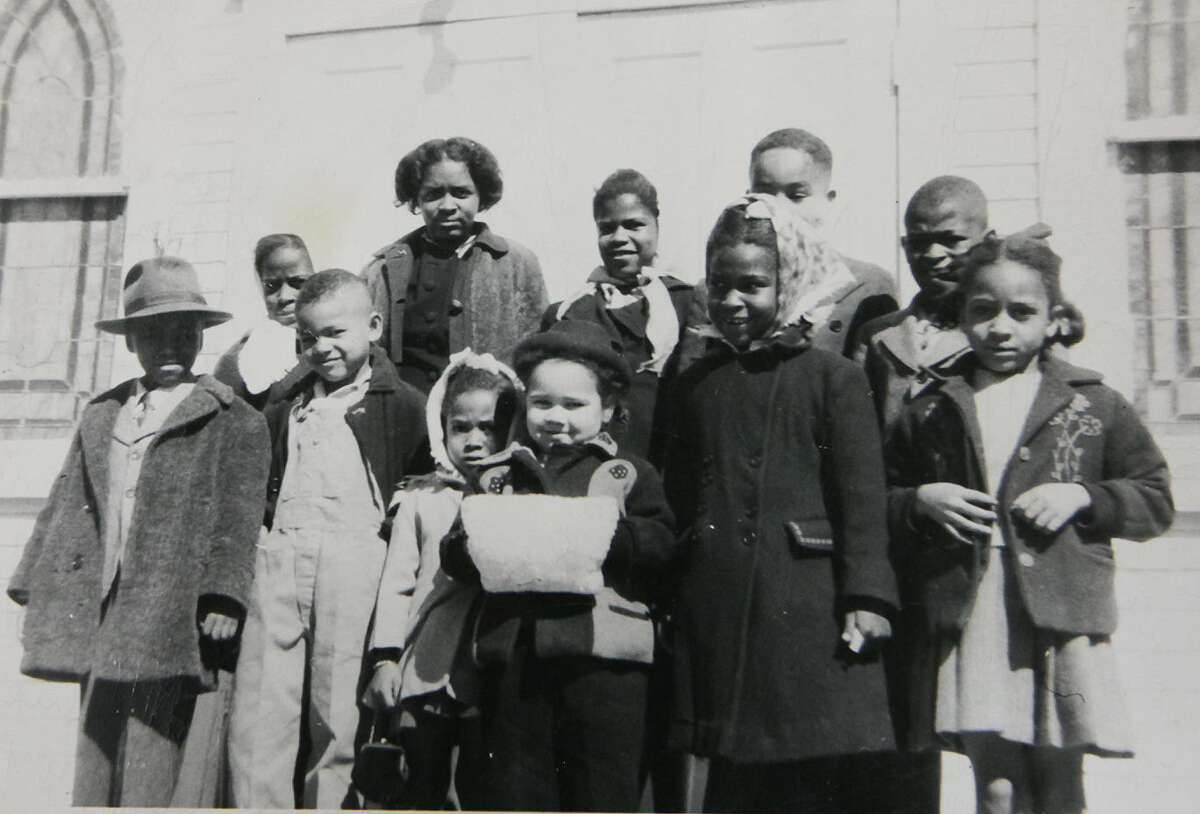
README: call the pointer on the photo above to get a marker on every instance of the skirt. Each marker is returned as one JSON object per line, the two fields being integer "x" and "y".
{"x": 1003, "y": 676}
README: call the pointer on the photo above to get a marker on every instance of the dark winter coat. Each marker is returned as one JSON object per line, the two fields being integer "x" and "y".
{"x": 195, "y": 522}
{"x": 890, "y": 361}
{"x": 776, "y": 476}
{"x": 1077, "y": 431}
{"x": 499, "y": 293}
{"x": 389, "y": 425}
{"x": 627, "y": 327}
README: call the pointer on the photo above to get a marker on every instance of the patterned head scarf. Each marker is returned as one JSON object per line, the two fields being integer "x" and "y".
{"x": 811, "y": 275}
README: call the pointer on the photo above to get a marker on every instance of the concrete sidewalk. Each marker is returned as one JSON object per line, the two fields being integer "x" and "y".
{"x": 1157, "y": 645}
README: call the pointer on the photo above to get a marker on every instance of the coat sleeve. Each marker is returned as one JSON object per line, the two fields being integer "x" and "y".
{"x": 398, "y": 582}
{"x": 238, "y": 505}
{"x": 1133, "y": 501}
{"x": 644, "y": 545}
{"x": 530, "y": 293}
{"x": 855, "y": 467}
{"x": 21, "y": 582}
{"x": 902, "y": 470}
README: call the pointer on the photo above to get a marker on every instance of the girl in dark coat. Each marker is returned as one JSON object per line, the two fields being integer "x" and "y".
{"x": 641, "y": 308}
{"x": 1008, "y": 484}
{"x": 775, "y": 472}
{"x": 453, "y": 283}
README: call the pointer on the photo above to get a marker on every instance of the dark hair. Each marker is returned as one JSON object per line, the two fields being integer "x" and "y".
{"x": 611, "y": 383}
{"x": 269, "y": 244}
{"x": 1035, "y": 255}
{"x": 626, "y": 182}
{"x": 470, "y": 379}
{"x": 793, "y": 138}
{"x": 936, "y": 192}
{"x": 327, "y": 282}
{"x": 481, "y": 164}
{"x": 734, "y": 228}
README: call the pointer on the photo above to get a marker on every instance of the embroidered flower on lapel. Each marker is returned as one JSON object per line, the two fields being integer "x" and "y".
{"x": 1073, "y": 423}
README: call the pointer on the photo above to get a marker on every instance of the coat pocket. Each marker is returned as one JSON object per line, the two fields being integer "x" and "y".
{"x": 810, "y": 536}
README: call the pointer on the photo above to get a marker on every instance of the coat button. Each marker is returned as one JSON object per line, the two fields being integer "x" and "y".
{"x": 129, "y": 494}
{"x": 1024, "y": 454}
{"x": 456, "y": 308}
{"x": 77, "y": 562}
{"x": 1025, "y": 558}
{"x": 748, "y": 538}
{"x": 87, "y": 507}
{"x": 835, "y": 325}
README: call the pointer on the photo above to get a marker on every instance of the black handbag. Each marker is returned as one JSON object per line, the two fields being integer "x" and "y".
{"x": 381, "y": 768}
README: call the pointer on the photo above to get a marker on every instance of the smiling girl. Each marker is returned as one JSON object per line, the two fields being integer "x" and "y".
{"x": 1008, "y": 483}
{"x": 775, "y": 472}
{"x": 641, "y": 308}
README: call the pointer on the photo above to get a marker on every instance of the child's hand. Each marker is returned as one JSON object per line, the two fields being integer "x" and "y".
{"x": 864, "y": 631}
{"x": 218, "y": 626}
{"x": 1050, "y": 506}
{"x": 383, "y": 693}
{"x": 959, "y": 511}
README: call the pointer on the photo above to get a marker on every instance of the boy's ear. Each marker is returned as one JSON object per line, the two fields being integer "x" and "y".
{"x": 375, "y": 327}
{"x": 608, "y": 413}
{"x": 130, "y": 341}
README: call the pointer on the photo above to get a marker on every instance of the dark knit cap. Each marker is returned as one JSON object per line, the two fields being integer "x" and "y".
{"x": 572, "y": 339}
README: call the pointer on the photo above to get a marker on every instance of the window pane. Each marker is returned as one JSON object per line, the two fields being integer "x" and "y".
{"x": 51, "y": 85}
{"x": 56, "y": 280}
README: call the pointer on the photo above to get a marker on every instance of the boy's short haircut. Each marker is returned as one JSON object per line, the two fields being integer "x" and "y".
{"x": 793, "y": 138}
{"x": 626, "y": 182}
{"x": 936, "y": 192}
{"x": 326, "y": 283}
{"x": 470, "y": 379}
{"x": 269, "y": 244}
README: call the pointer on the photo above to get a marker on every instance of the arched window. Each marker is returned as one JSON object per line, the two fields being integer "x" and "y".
{"x": 61, "y": 210}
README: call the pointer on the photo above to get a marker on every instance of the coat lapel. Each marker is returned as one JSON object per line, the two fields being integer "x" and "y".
{"x": 959, "y": 391}
{"x": 199, "y": 403}
{"x": 898, "y": 343}
{"x": 1053, "y": 394}
{"x": 95, "y": 436}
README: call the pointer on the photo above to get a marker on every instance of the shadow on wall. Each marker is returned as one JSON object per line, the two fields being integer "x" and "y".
{"x": 441, "y": 67}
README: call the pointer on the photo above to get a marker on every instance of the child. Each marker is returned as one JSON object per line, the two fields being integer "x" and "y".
{"x": 341, "y": 439}
{"x": 565, "y": 674}
{"x": 262, "y": 364}
{"x": 775, "y": 472}
{"x": 944, "y": 219}
{"x": 1008, "y": 483}
{"x": 420, "y": 634}
{"x": 640, "y": 307}
{"x": 453, "y": 282}
{"x": 795, "y": 165}
{"x": 139, "y": 566}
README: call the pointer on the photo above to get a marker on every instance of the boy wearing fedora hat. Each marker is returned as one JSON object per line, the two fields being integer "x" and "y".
{"x": 139, "y": 566}
{"x": 572, "y": 541}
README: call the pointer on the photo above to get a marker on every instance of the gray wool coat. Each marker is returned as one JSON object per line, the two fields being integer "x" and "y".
{"x": 499, "y": 294}
{"x": 198, "y": 509}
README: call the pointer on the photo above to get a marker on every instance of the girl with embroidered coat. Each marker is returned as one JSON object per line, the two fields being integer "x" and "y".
{"x": 1008, "y": 482}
